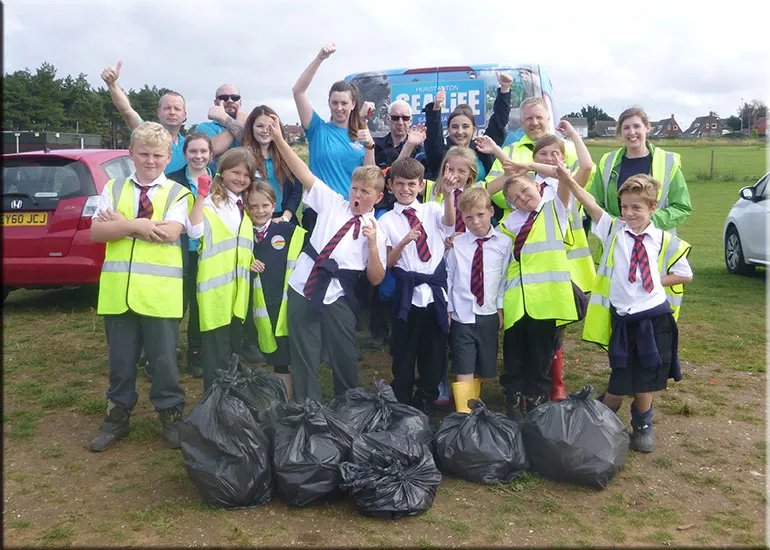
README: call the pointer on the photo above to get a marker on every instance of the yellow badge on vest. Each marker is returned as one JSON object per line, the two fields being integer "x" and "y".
{"x": 278, "y": 242}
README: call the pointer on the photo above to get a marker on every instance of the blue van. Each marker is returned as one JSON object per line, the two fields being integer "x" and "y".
{"x": 475, "y": 85}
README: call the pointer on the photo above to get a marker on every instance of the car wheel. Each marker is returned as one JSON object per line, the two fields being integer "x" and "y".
{"x": 734, "y": 260}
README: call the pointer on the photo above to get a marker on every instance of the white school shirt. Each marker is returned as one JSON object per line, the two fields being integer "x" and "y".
{"x": 227, "y": 211}
{"x": 625, "y": 296}
{"x": 395, "y": 226}
{"x": 517, "y": 218}
{"x": 177, "y": 212}
{"x": 550, "y": 189}
{"x": 497, "y": 255}
{"x": 333, "y": 211}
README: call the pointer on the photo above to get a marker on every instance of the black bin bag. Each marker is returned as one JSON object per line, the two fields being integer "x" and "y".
{"x": 263, "y": 388}
{"x": 225, "y": 450}
{"x": 483, "y": 446}
{"x": 367, "y": 411}
{"x": 309, "y": 443}
{"x": 577, "y": 440}
{"x": 390, "y": 476}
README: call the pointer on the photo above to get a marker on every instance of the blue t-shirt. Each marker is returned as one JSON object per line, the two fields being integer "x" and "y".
{"x": 333, "y": 155}
{"x": 213, "y": 128}
{"x": 275, "y": 184}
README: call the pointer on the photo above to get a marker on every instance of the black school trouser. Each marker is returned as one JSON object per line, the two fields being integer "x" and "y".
{"x": 527, "y": 354}
{"x": 217, "y": 349}
{"x": 189, "y": 297}
{"x": 418, "y": 339}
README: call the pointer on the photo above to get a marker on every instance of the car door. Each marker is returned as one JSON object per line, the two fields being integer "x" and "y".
{"x": 754, "y": 238}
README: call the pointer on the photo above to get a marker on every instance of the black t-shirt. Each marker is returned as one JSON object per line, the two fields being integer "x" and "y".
{"x": 631, "y": 167}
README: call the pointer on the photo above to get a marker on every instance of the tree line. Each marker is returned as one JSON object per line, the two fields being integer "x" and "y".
{"x": 40, "y": 101}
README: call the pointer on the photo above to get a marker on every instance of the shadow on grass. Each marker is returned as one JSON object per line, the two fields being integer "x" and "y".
{"x": 65, "y": 299}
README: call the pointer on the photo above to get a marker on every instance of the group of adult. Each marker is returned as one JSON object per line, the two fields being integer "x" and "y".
{"x": 342, "y": 142}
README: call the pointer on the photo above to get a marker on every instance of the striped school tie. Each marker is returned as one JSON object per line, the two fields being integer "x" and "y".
{"x": 260, "y": 235}
{"x": 542, "y": 187}
{"x": 459, "y": 222}
{"x": 640, "y": 261}
{"x": 145, "y": 204}
{"x": 312, "y": 279}
{"x": 239, "y": 204}
{"x": 523, "y": 233}
{"x": 422, "y": 240}
{"x": 477, "y": 271}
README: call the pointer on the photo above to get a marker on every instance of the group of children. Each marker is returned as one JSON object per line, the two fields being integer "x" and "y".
{"x": 460, "y": 279}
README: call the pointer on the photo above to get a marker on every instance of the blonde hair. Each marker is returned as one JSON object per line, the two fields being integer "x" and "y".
{"x": 151, "y": 134}
{"x": 531, "y": 102}
{"x": 229, "y": 160}
{"x": 477, "y": 197}
{"x": 465, "y": 153}
{"x": 511, "y": 180}
{"x": 643, "y": 185}
{"x": 545, "y": 141}
{"x": 628, "y": 113}
{"x": 370, "y": 175}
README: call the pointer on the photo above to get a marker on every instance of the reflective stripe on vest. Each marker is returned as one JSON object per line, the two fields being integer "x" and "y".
{"x": 539, "y": 284}
{"x": 138, "y": 275}
{"x": 598, "y": 322}
{"x": 663, "y": 163}
{"x": 223, "y": 271}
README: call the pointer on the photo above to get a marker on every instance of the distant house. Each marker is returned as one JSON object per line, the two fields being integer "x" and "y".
{"x": 667, "y": 127}
{"x": 579, "y": 124}
{"x": 760, "y": 123}
{"x": 709, "y": 125}
{"x": 605, "y": 128}
{"x": 294, "y": 133}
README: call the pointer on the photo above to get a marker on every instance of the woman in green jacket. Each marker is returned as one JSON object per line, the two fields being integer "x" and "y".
{"x": 639, "y": 156}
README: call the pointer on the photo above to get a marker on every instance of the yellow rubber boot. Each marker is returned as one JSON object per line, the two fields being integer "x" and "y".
{"x": 477, "y": 388}
{"x": 463, "y": 391}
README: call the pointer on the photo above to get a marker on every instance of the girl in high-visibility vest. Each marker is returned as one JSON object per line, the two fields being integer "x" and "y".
{"x": 639, "y": 156}
{"x": 226, "y": 235}
{"x": 277, "y": 244}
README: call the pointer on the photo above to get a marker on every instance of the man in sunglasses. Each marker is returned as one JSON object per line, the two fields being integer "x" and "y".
{"x": 394, "y": 144}
{"x": 226, "y": 120}
{"x": 171, "y": 114}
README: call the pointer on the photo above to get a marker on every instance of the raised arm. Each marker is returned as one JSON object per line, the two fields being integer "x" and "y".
{"x": 414, "y": 139}
{"x": 501, "y": 110}
{"x": 434, "y": 140}
{"x": 567, "y": 185}
{"x": 304, "y": 108}
{"x": 119, "y": 98}
{"x": 585, "y": 163}
{"x": 296, "y": 164}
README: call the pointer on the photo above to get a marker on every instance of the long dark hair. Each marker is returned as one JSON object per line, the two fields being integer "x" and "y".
{"x": 355, "y": 122}
{"x": 282, "y": 172}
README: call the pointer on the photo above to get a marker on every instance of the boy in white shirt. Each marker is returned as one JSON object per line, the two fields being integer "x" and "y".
{"x": 322, "y": 307}
{"x": 415, "y": 234}
{"x": 635, "y": 299}
{"x": 476, "y": 266}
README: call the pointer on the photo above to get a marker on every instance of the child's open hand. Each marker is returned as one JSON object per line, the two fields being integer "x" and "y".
{"x": 514, "y": 168}
{"x": 417, "y": 135}
{"x": 204, "y": 185}
{"x": 257, "y": 266}
{"x": 485, "y": 144}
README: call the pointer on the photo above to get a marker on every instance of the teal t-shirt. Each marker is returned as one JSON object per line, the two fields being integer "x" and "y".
{"x": 275, "y": 184}
{"x": 333, "y": 155}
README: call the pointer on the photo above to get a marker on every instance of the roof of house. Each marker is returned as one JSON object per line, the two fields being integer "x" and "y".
{"x": 604, "y": 126}
{"x": 293, "y": 129}
{"x": 577, "y": 121}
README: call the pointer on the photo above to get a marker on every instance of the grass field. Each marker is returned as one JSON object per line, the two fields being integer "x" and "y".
{"x": 703, "y": 486}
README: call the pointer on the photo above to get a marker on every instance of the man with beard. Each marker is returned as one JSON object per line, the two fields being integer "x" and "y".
{"x": 226, "y": 121}
{"x": 171, "y": 114}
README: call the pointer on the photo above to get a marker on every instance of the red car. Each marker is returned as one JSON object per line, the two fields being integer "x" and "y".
{"x": 48, "y": 201}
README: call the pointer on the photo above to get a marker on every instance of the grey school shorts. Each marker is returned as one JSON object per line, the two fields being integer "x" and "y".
{"x": 474, "y": 347}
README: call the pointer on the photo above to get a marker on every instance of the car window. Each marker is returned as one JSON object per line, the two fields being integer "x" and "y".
{"x": 52, "y": 178}
{"x": 761, "y": 188}
{"x": 115, "y": 169}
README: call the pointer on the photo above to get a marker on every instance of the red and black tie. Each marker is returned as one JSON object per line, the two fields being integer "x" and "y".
{"x": 145, "y": 204}
{"x": 459, "y": 223}
{"x": 542, "y": 187}
{"x": 312, "y": 279}
{"x": 260, "y": 235}
{"x": 640, "y": 261}
{"x": 523, "y": 233}
{"x": 239, "y": 204}
{"x": 477, "y": 271}
{"x": 422, "y": 241}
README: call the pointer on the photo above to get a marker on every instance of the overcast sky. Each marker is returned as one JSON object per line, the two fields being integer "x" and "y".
{"x": 666, "y": 56}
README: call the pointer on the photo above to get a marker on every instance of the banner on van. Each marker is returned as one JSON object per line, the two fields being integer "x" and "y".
{"x": 458, "y": 92}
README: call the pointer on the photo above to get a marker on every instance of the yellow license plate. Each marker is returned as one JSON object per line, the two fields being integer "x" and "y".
{"x": 25, "y": 218}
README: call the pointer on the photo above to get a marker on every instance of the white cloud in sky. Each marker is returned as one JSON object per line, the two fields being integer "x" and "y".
{"x": 666, "y": 56}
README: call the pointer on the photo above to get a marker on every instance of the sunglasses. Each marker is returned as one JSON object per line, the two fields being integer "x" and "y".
{"x": 405, "y": 118}
{"x": 225, "y": 97}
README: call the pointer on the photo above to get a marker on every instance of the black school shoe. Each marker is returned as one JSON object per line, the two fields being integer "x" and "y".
{"x": 114, "y": 428}
{"x": 514, "y": 406}
{"x": 172, "y": 423}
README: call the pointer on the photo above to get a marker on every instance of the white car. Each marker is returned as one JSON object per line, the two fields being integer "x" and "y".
{"x": 746, "y": 229}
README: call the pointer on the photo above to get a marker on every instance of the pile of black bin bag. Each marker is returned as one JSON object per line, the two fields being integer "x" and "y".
{"x": 243, "y": 442}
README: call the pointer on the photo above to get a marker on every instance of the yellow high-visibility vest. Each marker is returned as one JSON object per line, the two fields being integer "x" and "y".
{"x": 265, "y": 336}
{"x": 138, "y": 275}
{"x": 598, "y": 321}
{"x": 539, "y": 283}
{"x": 223, "y": 271}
